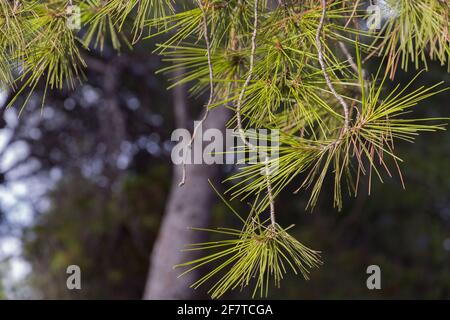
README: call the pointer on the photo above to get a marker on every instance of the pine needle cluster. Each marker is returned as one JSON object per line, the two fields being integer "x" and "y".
{"x": 290, "y": 65}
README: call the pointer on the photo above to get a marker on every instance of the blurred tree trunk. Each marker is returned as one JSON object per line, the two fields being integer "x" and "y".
{"x": 187, "y": 206}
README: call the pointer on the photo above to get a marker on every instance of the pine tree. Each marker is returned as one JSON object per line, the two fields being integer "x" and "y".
{"x": 297, "y": 66}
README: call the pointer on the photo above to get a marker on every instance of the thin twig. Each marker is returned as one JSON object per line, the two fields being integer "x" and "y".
{"x": 355, "y": 8}
{"x": 353, "y": 64}
{"x": 324, "y": 67}
{"x": 211, "y": 89}
{"x": 239, "y": 116}
{"x": 349, "y": 57}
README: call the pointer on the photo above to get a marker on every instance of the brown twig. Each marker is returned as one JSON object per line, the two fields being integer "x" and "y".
{"x": 324, "y": 67}
{"x": 211, "y": 89}
{"x": 239, "y": 116}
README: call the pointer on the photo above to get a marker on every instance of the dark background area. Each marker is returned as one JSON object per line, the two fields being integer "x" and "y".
{"x": 95, "y": 167}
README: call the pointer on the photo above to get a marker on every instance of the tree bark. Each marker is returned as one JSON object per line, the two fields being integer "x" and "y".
{"x": 187, "y": 206}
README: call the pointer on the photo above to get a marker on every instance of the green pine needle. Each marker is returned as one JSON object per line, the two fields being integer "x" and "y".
{"x": 257, "y": 255}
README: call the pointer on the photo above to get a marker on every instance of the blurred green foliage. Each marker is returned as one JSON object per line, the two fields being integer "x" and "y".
{"x": 109, "y": 234}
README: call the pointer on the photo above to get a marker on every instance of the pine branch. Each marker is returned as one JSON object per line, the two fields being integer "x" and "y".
{"x": 320, "y": 53}
{"x": 239, "y": 116}
{"x": 211, "y": 88}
